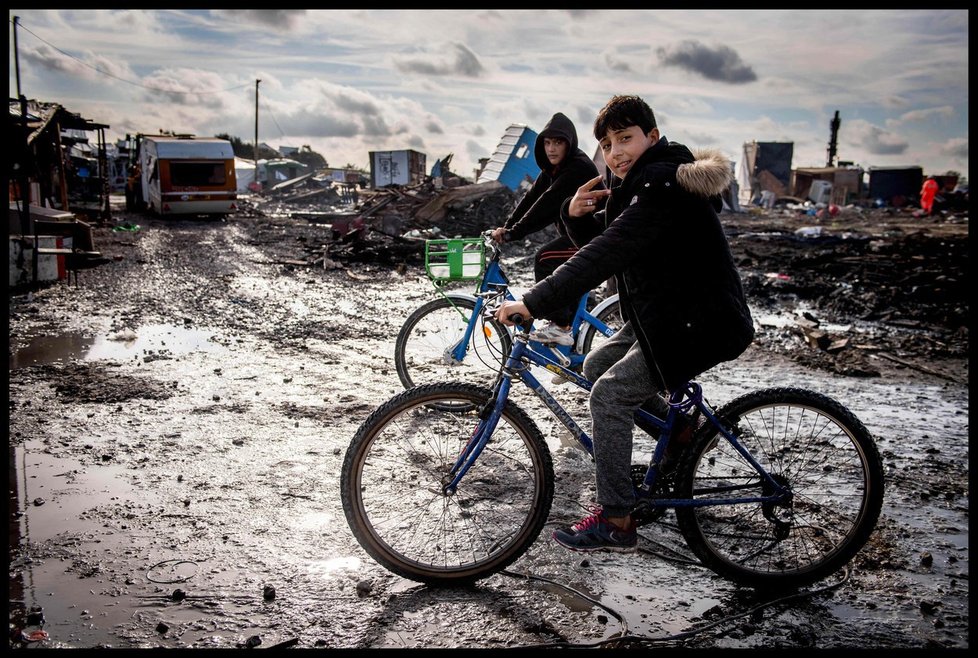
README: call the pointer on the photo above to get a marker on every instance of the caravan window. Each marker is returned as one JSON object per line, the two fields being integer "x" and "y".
{"x": 197, "y": 174}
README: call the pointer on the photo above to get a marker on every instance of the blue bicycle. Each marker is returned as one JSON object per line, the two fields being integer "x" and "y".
{"x": 449, "y": 338}
{"x": 779, "y": 487}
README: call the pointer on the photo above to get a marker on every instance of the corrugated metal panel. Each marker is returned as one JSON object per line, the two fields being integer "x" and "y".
{"x": 513, "y": 160}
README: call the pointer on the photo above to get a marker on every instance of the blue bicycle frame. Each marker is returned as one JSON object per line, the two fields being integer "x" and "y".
{"x": 495, "y": 279}
{"x": 680, "y": 401}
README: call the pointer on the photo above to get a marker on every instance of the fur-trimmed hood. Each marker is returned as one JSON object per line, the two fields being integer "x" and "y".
{"x": 709, "y": 175}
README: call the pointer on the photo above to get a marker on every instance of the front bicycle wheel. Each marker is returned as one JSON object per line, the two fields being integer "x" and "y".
{"x": 394, "y": 471}
{"x": 423, "y": 349}
{"x": 810, "y": 444}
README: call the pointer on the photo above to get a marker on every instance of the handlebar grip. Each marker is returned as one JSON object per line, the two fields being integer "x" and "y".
{"x": 517, "y": 318}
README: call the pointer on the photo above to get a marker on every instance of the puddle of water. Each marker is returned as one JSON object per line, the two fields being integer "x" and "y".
{"x": 52, "y": 494}
{"x": 50, "y": 498}
{"x": 782, "y": 320}
{"x": 334, "y": 565}
{"x": 123, "y": 345}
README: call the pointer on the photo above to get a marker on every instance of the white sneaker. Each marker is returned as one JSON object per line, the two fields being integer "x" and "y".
{"x": 552, "y": 334}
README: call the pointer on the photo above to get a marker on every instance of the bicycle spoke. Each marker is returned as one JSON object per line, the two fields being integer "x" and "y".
{"x": 406, "y": 463}
{"x": 824, "y": 460}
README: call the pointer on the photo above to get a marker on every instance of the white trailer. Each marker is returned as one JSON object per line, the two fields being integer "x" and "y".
{"x": 182, "y": 175}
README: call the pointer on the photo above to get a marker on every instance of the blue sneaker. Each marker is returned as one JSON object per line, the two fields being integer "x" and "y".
{"x": 596, "y": 533}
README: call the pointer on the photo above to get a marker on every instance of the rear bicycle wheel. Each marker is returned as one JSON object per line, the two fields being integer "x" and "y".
{"x": 612, "y": 317}
{"x": 422, "y": 351}
{"x": 807, "y": 442}
{"x": 393, "y": 474}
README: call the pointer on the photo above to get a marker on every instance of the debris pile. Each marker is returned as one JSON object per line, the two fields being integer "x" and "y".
{"x": 868, "y": 284}
{"x": 386, "y": 225}
{"x": 838, "y": 291}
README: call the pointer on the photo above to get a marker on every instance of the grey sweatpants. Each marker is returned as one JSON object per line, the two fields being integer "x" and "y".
{"x": 622, "y": 382}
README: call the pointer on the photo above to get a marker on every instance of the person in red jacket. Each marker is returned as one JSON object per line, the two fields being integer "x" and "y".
{"x": 563, "y": 168}
{"x": 927, "y": 194}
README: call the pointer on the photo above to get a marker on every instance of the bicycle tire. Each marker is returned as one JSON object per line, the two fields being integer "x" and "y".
{"x": 391, "y": 486}
{"x": 816, "y": 446}
{"x": 612, "y": 317}
{"x": 433, "y": 328}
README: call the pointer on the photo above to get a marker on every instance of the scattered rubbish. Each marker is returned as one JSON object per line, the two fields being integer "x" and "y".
{"x": 126, "y": 226}
{"x": 364, "y": 587}
{"x": 809, "y": 232}
{"x": 35, "y": 616}
{"x": 386, "y": 225}
{"x": 33, "y": 636}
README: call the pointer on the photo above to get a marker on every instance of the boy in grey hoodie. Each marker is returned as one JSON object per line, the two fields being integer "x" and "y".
{"x": 564, "y": 167}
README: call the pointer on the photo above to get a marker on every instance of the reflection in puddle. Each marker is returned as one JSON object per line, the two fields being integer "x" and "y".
{"x": 126, "y": 344}
{"x": 53, "y": 499}
{"x": 52, "y": 495}
{"x": 335, "y": 564}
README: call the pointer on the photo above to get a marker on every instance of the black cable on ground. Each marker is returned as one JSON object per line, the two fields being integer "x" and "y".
{"x": 623, "y": 640}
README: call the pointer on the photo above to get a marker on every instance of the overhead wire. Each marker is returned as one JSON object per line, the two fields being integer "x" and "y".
{"x": 130, "y": 82}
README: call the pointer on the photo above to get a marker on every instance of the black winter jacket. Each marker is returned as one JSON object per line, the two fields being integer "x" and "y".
{"x": 660, "y": 237}
{"x": 540, "y": 206}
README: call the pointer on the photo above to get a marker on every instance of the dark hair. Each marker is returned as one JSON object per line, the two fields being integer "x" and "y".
{"x": 624, "y": 112}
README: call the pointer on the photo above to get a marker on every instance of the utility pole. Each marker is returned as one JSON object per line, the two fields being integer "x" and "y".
{"x": 256, "y": 130}
{"x": 16, "y": 55}
{"x": 21, "y": 166}
{"x": 23, "y": 180}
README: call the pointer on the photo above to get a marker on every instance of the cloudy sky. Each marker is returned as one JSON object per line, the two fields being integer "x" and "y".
{"x": 346, "y": 82}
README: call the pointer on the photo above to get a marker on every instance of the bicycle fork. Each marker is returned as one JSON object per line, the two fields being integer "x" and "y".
{"x": 489, "y": 416}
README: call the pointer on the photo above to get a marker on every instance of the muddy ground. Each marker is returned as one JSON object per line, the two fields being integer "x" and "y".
{"x": 178, "y": 419}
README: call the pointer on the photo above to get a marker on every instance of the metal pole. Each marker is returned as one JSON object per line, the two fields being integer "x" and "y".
{"x": 23, "y": 181}
{"x": 16, "y": 54}
{"x": 256, "y": 131}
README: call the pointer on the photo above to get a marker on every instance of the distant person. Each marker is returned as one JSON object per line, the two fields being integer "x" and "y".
{"x": 563, "y": 168}
{"x": 927, "y": 194}
{"x": 657, "y": 232}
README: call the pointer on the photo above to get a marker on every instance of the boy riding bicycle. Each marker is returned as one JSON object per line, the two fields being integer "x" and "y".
{"x": 657, "y": 232}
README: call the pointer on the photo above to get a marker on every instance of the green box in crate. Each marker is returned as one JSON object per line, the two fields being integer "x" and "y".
{"x": 461, "y": 259}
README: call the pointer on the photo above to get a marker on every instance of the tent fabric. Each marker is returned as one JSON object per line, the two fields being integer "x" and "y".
{"x": 244, "y": 171}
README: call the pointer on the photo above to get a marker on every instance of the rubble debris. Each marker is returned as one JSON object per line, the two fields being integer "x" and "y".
{"x": 903, "y": 275}
{"x": 387, "y": 225}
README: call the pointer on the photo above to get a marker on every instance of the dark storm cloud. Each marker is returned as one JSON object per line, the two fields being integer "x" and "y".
{"x": 459, "y": 60}
{"x": 375, "y": 126}
{"x": 274, "y": 18}
{"x": 360, "y": 104}
{"x": 721, "y": 63}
